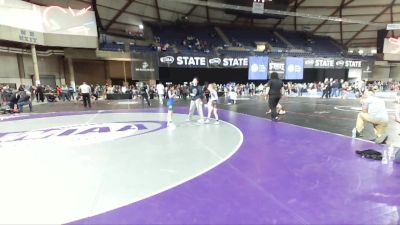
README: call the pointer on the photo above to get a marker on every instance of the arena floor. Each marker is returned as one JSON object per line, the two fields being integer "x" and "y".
{"x": 119, "y": 164}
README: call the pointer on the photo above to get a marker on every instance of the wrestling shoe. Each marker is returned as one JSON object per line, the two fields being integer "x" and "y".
{"x": 381, "y": 140}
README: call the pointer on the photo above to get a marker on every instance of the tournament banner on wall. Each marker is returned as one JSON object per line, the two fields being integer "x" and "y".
{"x": 324, "y": 63}
{"x": 340, "y": 64}
{"x": 294, "y": 68}
{"x": 367, "y": 69}
{"x": 144, "y": 66}
{"x": 258, "y": 68}
{"x": 211, "y": 61}
{"x": 332, "y": 63}
{"x": 228, "y": 62}
{"x": 309, "y": 63}
{"x": 353, "y": 63}
{"x": 277, "y": 66}
{"x": 348, "y": 63}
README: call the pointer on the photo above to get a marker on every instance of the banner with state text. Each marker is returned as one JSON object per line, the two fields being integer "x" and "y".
{"x": 275, "y": 64}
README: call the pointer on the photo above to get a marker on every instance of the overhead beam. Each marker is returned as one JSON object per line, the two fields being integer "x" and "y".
{"x": 349, "y": 7}
{"x": 218, "y": 5}
{"x": 332, "y": 14}
{"x": 373, "y": 20}
{"x": 341, "y": 23}
{"x": 191, "y": 10}
{"x": 235, "y": 20}
{"x": 207, "y": 13}
{"x": 158, "y": 10}
{"x": 345, "y": 31}
{"x": 152, "y": 18}
{"x": 97, "y": 15}
{"x": 391, "y": 18}
{"x": 293, "y": 9}
{"x": 295, "y": 18}
{"x": 122, "y": 10}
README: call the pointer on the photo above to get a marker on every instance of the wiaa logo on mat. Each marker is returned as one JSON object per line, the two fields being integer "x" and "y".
{"x": 83, "y": 134}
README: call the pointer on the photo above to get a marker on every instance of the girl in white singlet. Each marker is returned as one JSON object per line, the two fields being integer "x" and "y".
{"x": 212, "y": 103}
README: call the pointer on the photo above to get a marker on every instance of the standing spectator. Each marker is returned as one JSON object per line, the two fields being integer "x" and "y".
{"x": 299, "y": 89}
{"x": 206, "y": 91}
{"x": 330, "y": 81}
{"x": 335, "y": 89}
{"x": 58, "y": 90}
{"x": 325, "y": 89}
{"x": 196, "y": 96}
{"x": 71, "y": 92}
{"x": 40, "y": 93}
{"x": 170, "y": 104}
{"x": 212, "y": 104}
{"x": 160, "y": 92}
{"x": 1, "y": 95}
{"x": 184, "y": 91}
{"x": 64, "y": 93}
{"x": 85, "y": 91}
{"x": 144, "y": 92}
{"x": 274, "y": 91}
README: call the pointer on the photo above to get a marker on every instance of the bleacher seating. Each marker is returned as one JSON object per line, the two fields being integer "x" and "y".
{"x": 248, "y": 36}
{"x": 175, "y": 35}
{"x": 308, "y": 42}
{"x": 138, "y": 48}
{"x": 116, "y": 47}
{"x": 357, "y": 56}
{"x": 304, "y": 44}
{"x": 233, "y": 53}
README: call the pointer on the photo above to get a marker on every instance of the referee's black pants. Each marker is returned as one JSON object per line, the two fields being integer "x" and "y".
{"x": 145, "y": 96}
{"x": 86, "y": 100}
{"x": 273, "y": 102}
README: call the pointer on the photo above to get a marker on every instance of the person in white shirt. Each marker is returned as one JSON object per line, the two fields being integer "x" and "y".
{"x": 232, "y": 97}
{"x": 374, "y": 112}
{"x": 212, "y": 103}
{"x": 85, "y": 91}
{"x": 123, "y": 89}
{"x": 160, "y": 92}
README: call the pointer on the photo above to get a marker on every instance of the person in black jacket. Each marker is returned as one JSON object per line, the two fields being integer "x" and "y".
{"x": 274, "y": 92}
{"x": 40, "y": 93}
{"x": 196, "y": 100}
{"x": 25, "y": 99}
{"x": 144, "y": 93}
{"x": 14, "y": 100}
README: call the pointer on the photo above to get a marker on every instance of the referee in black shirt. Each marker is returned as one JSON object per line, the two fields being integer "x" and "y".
{"x": 274, "y": 92}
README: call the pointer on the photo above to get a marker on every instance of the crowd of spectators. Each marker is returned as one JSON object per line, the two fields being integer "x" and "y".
{"x": 330, "y": 88}
{"x": 193, "y": 43}
{"x": 158, "y": 46}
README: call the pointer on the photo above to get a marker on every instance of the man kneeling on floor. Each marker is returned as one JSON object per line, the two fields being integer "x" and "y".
{"x": 374, "y": 112}
{"x": 24, "y": 100}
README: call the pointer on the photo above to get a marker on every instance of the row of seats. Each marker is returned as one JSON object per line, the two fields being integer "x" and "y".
{"x": 244, "y": 37}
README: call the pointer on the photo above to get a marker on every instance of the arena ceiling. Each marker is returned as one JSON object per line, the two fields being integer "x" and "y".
{"x": 116, "y": 16}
